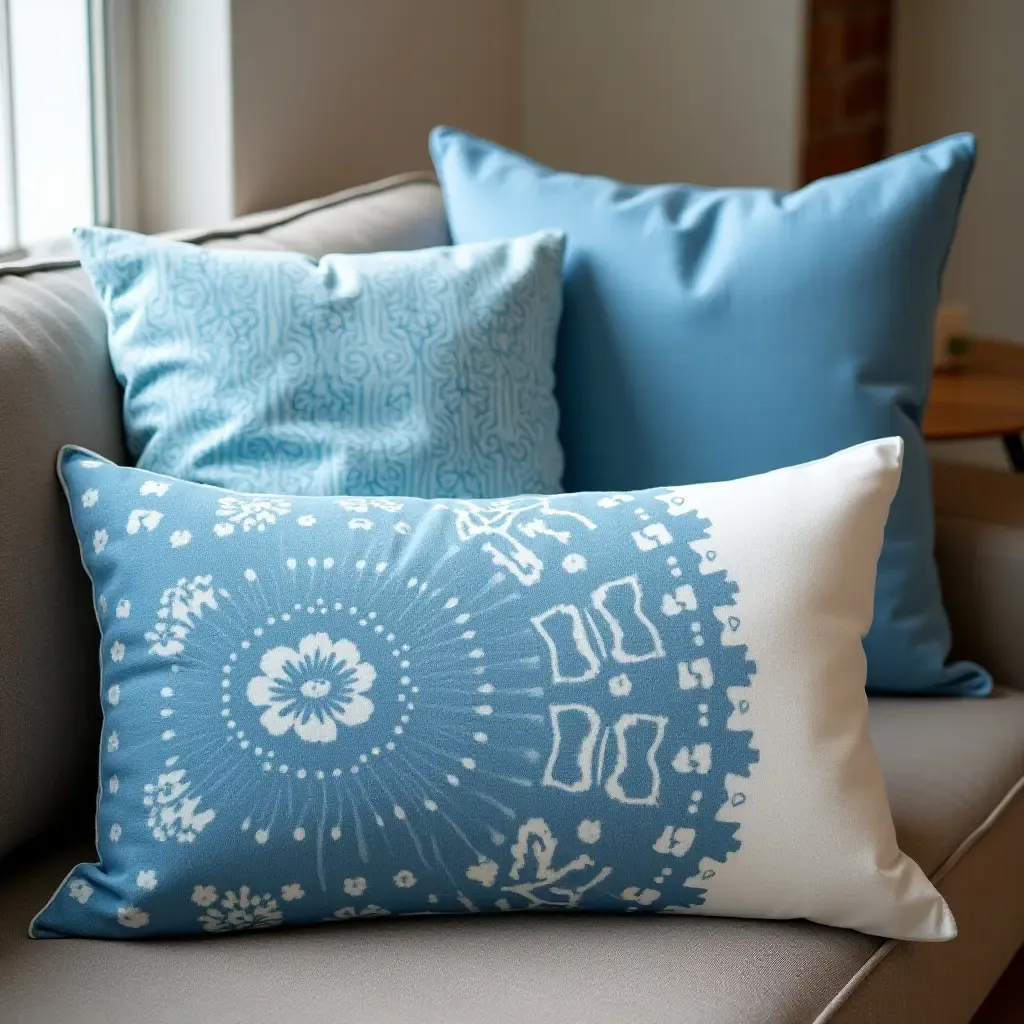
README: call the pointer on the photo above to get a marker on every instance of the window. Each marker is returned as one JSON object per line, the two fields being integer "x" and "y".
{"x": 54, "y": 155}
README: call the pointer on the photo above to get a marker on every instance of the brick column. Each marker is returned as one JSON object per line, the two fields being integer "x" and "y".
{"x": 846, "y": 88}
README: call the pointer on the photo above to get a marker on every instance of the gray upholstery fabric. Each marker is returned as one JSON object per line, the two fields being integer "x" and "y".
{"x": 948, "y": 764}
{"x": 944, "y": 983}
{"x": 408, "y": 217}
{"x": 979, "y": 545}
{"x": 56, "y": 388}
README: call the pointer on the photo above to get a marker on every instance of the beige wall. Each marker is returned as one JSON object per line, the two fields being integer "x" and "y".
{"x": 959, "y": 65}
{"x": 248, "y": 104}
{"x": 332, "y": 93}
{"x": 656, "y": 90}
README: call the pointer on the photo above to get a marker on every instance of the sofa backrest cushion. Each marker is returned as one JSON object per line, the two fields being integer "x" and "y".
{"x": 56, "y": 388}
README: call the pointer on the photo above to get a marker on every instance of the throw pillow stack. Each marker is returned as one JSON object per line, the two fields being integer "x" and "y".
{"x": 379, "y": 664}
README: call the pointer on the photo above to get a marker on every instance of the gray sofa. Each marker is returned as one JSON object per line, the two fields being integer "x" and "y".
{"x": 954, "y": 767}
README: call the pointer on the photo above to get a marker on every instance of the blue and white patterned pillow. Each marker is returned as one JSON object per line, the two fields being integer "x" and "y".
{"x": 426, "y": 372}
{"x": 327, "y": 708}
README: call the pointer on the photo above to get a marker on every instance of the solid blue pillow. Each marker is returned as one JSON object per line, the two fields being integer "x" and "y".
{"x": 427, "y": 373}
{"x": 709, "y": 334}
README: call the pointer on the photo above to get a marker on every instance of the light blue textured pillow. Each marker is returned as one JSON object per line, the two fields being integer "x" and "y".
{"x": 713, "y": 333}
{"x": 334, "y": 708}
{"x": 426, "y": 373}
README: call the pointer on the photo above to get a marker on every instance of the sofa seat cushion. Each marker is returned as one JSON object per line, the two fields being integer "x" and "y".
{"x": 949, "y": 764}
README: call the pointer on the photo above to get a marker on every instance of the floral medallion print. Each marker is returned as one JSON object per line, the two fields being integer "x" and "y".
{"x": 313, "y": 689}
{"x": 521, "y": 704}
{"x": 249, "y": 514}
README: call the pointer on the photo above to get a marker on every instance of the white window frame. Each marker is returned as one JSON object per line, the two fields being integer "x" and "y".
{"x": 111, "y": 40}
{"x": 117, "y": 27}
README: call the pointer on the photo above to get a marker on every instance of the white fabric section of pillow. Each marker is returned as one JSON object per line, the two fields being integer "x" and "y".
{"x": 805, "y": 603}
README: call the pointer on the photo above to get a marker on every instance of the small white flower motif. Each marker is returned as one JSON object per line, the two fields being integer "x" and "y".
{"x": 223, "y": 529}
{"x": 173, "y": 809}
{"x": 142, "y": 517}
{"x": 292, "y": 891}
{"x": 132, "y": 917}
{"x": 589, "y": 831}
{"x": 90, "y": 464}
{"x": 114, "y": 695}
{"x": 180, "y": 538}
{"x": 204, "y": 895}
{"x": 113, "y": 742}
{"x": 124, "y": 608}
{"x": 353, "y": 504}
{"x": 645, "y": 897}
{"x": 90, "y": 497}
{"x": 244, "y": 909}
{"x": 116, "y": 651}
{"x": 155, "y": 487}
{"x": 113, "y": 784}
{"x": 306, "y": 520}
{"x": 386, "y": 505}
{"x": 360, "y": 524}
{"x": 402, "y": 528}
{"x": 146, "y": 880}
{"x": 313, "y": 689}
{"x": 253, "y": 512}
{"x": 99, "y": 541}
{"x": 354, "y": 886}
{"x": 115, "y": 832}
{"x": 79, "y": 890}
{"x": 405, "y": 879}
{"x": 166, "y": 639}
{"x": 574, "y": 563}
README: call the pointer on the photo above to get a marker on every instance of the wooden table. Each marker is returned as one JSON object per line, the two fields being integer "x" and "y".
{"x": 982, "y": 397}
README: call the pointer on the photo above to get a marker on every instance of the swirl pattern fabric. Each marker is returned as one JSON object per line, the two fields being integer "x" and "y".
{"x": 426, "y": 373}
{"x": 319, "y": 709}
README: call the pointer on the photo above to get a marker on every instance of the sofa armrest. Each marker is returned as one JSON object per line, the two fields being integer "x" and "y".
{"x": 979, "y": 546}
